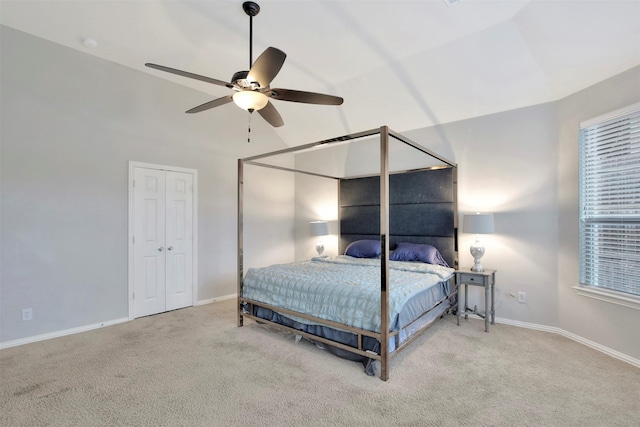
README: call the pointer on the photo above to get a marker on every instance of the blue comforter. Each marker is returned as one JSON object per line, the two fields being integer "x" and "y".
{"x": 345, "y": 289}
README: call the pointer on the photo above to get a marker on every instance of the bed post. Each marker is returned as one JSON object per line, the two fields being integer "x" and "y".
{"x": 455, "y": 215}
{"x": 240, "y": 239}
{"x": 384, "y": 255}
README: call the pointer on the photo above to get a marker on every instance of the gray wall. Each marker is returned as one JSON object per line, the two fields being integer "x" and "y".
{"x": 70, "y": 124}
{"x": 607, "y": 324}
{"x": 507, "y": 165}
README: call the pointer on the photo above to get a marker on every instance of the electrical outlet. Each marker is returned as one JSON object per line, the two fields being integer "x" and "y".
{"x": 27, "y": 314}
{"x": 522, "y": 297}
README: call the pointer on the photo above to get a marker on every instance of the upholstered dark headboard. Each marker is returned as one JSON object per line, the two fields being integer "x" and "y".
{"x": 421, "y": 210}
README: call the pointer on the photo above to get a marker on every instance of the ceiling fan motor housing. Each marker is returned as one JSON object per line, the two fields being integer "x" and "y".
{"x": 239, "y": 81}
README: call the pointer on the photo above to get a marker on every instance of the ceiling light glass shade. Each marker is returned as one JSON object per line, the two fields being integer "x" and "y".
{"x": 250, "y": 100}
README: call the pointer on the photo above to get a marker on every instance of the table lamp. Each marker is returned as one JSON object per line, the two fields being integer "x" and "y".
{"x": 477, "y": 223}
{"x": 319, "y": 228}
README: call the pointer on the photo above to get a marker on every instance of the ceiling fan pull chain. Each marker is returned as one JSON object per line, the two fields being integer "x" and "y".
{"x": 249, "y": 128}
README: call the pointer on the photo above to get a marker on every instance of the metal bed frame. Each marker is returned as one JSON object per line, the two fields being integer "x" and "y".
{"x": 383, "y": 337}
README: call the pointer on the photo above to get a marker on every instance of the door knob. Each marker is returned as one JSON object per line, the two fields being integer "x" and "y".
{"x": 170, "y": 248}
{"x": 161, "y": 249}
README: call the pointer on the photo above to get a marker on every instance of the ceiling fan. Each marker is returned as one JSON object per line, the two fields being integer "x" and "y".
{"x": 251, "y": 88}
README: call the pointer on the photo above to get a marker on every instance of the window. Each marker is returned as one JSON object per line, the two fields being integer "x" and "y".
{"x": 610, "y": 202}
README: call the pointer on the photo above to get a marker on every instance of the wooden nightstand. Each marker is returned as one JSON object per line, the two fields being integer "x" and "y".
{"x": 486, "y": 279}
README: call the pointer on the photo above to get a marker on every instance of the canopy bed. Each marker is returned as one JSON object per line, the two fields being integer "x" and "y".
{"x": 398, "y": 251}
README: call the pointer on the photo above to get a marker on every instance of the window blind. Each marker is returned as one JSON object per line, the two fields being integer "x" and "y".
{"x": 610, "y": 202}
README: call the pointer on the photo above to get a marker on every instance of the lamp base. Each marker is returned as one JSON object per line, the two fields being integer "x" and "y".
{"x": 320, "y": 247}
{"x": 477, "y": 267}
{"x": 477, "y": 251}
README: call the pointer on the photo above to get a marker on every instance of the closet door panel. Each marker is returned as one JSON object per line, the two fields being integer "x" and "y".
{"x": 179, "y": 238}
{"x": 149, "y": 252}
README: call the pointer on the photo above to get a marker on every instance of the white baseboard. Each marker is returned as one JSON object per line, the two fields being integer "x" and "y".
{"x": 217, "y": 299}
{"x": 606, "y": 350}
{"x": 62, "y": 333}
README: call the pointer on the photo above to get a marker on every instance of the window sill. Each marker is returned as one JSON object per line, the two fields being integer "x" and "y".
{"x": 613, "y": 297}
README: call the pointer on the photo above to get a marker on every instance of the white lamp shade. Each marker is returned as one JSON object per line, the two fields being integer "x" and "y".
{"x": 250, "y": 100}
{"x": 478, "y": 223}
{"x": 319, "y": 228}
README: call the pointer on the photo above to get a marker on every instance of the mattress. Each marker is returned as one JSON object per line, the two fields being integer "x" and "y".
{"x": 346, "y": 290}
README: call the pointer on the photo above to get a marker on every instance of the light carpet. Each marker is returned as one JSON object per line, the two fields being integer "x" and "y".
{"x": 194, "y": 367}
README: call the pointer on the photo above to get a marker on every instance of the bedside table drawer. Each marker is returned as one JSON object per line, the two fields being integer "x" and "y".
{"x": 471, "y": 278}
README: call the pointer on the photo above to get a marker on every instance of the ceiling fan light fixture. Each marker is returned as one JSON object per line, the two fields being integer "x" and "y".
{"x": 250, "y": 100}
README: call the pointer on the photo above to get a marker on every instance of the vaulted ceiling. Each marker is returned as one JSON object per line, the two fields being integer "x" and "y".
{"x": 406, "y": 64}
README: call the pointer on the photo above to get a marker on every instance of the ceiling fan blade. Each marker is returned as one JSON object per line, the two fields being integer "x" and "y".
{"x": 271, "y": 115}
{"x": 267, "y": 66}
{"x": 211, "y": 104}
{"x": 187, "y": 74}
{"x": 305, "y": 97}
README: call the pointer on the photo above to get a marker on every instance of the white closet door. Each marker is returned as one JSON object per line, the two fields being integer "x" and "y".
{"x": 149, "y": 245}
{"x": 179, "y": 240}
